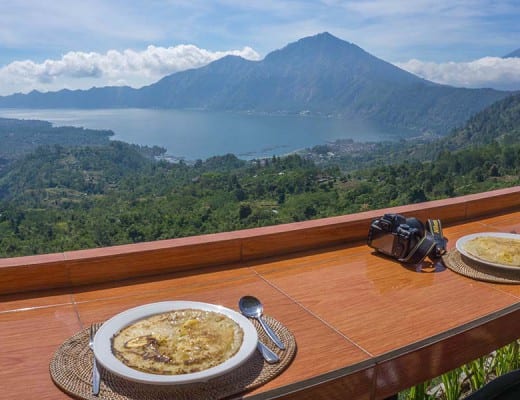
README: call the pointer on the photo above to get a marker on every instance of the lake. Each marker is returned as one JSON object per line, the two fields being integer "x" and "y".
{"x": 192, "y": 135}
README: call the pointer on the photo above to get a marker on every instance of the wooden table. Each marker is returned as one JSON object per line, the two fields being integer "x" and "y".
{"x": 366, "y": 327}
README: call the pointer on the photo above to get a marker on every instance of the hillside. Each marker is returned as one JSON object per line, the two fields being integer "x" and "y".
{"x": 64, "y": 198}
{"x": 498, "y": 124}
{"x": 320, "y": 75}
{"x": 81, "y": 169}
{"x": 21, "y": 137}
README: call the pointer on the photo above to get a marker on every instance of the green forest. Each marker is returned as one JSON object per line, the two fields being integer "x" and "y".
{"x": 64, "y": 195}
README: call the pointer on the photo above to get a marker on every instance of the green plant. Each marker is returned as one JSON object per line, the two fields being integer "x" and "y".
{"x": 451, "y": 384}
{"x": 476, "y": 373}
{"x": 458, "y": 383}
{"x": 506, "y": 359}
{"x": 418, "y": 392}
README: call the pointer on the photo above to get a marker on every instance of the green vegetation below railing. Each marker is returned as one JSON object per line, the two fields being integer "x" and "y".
{"x": 59, "y": 199}
{"x": 75, "y": 196}
{"x": 462, "y": 381}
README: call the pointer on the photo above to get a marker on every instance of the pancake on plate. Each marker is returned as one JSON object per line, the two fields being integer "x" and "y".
{"x": 178, "y": 342}
{"x": 498, "y": 250}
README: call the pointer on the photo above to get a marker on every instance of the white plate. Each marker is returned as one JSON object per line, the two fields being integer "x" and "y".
{"x": 103, "y": 351}
{"x": 463, "y": 240}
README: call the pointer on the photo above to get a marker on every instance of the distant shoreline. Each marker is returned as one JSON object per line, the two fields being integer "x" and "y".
{"x": 193, "y": 135}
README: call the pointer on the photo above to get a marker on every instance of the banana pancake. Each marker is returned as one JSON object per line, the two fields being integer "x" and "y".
{"x": 178, "y": 342}
{"x": 498, "y": 250}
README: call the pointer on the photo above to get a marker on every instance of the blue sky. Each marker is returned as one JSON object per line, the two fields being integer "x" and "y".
{"x": 79, "y": 44}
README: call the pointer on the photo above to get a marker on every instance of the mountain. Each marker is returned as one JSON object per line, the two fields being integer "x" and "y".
{"x": 106, "y": 97}
{"x": 499, "y": 122}
{"x": 317, "y": 75}
{"x": 320, "y": 73}
{"x": 513, "y": 54}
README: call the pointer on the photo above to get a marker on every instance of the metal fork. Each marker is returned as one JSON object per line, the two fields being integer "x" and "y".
{"x": 96, "y": 376}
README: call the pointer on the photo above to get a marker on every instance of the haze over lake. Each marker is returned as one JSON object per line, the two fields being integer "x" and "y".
{"x": 192, "y": 135}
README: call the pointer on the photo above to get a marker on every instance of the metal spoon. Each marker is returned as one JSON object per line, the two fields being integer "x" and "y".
{"x": 270, "y": 356}
{"x": 252, "y": 307}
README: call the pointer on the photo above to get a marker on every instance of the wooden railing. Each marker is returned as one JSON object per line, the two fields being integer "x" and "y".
{"x": 116, "y": 263}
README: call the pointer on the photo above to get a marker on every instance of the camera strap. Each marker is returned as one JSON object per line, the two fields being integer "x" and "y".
{"x": 424, "y": 247}
{"x": 434, "y": 226}
{"x": 432, "y": 244}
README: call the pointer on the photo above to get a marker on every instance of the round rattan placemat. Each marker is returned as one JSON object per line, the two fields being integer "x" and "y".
{"x": 463, "y": 265}
{"x": 71, "y": 371}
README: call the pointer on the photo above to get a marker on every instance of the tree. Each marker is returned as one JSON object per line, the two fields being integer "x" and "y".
{"x": 244, "y": 211}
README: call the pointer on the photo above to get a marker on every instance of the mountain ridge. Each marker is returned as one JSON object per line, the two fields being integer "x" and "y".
{"x": 320, "y": 75}
{"x": 513, "y": 54}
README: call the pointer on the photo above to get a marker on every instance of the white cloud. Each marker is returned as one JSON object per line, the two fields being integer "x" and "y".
{"x": 83, "y": 70}
{"x": 80, "y": 70}
{"x": 493, "y": 72}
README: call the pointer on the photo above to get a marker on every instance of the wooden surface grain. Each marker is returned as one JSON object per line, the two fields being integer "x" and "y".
{"x": 366, "y": 326}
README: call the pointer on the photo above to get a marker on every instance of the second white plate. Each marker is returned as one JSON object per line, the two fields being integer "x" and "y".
{"x": 460, "y": 245}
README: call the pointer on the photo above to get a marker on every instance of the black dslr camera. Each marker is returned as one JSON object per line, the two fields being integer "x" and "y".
{"x": 406, "y": 239}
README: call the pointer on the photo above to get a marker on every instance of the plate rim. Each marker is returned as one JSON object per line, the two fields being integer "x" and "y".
{"x": 104, "y": 355}
{"x": 461, "y": 241}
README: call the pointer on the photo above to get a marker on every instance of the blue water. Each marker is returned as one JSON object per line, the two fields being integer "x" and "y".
{"x": 192, "y": 135}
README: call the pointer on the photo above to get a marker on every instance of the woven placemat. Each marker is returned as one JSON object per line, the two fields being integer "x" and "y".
{"x": 71, "y": 371}
{"x": 463, "y": 265}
